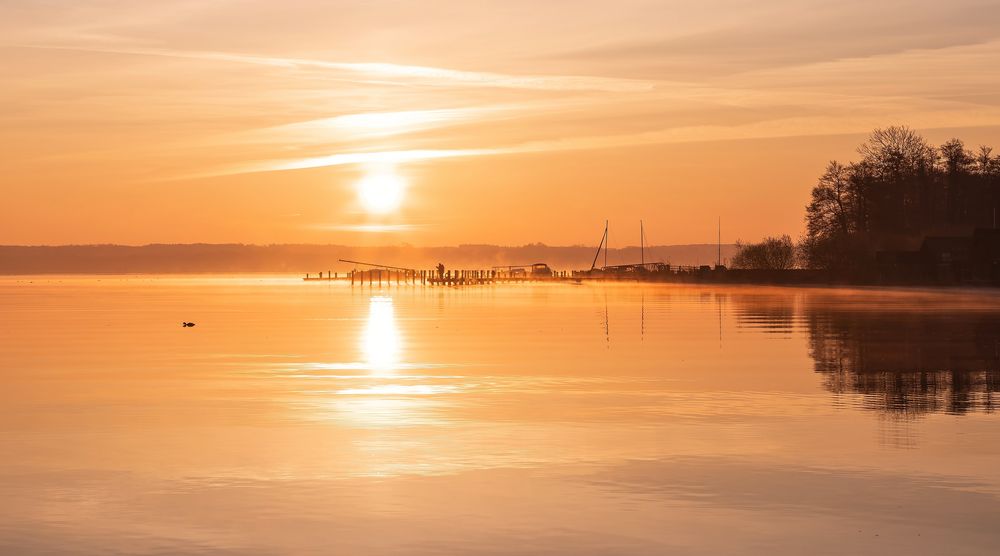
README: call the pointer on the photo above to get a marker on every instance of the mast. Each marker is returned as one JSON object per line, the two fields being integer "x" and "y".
{"x": 598, "y": 254}
{"x": 642, "y": 245}
{"x": 719, "y": 260}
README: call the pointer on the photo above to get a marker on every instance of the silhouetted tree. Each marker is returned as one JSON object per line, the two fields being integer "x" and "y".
{"x": 896, "y": 153}
{"x": 772, "y": 253}
{"x": 955, "y": 159}
{"x": 902, "y": 190}
{"x": 831, "y": 211}
{"x": 985, "y": 164}
{"x": 837, "y": 217}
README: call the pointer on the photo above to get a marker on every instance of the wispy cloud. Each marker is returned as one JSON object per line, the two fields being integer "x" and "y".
{"x": 766, "y": 129}
{"x": 426, "y": 75}
{"x": 338, "y": 159}
{"x": 803, "y": 100}
{"x": 382, "y": 157}
{"x": 363, "y": 125}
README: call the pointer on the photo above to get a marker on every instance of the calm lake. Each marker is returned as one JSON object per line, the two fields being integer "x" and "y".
{"x": 317, "y": 418}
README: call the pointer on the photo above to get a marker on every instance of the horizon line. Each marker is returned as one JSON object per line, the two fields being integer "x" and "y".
{"x": 384, "y": 246}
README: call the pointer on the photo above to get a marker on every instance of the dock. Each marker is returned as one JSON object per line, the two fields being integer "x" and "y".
{"x": 386, "y": 277}
{"x": 379, "y": 275}
{"x": 330, "y": 276}
{"x": 374, "y": 274}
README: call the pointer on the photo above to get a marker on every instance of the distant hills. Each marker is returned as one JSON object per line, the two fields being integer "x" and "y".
{"x": 296, "y": 259}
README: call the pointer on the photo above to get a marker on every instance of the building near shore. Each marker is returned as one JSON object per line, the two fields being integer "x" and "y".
{"x": 972, "y": 260}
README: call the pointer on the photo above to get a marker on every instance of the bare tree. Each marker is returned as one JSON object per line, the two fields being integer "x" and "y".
{"x": 897, "y": 152}
{"x": 832, "y": 206}
{"x": 987, "y": 165}
{"x": 771, "y": 253}
{"x": 955, "y": 159}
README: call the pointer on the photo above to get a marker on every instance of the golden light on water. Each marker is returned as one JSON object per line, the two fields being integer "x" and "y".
{"x": 381, "y": 190}
{"x": 381, "y": 341}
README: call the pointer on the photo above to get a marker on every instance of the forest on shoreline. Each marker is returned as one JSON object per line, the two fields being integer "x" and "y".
{"x": 902, "y": 191}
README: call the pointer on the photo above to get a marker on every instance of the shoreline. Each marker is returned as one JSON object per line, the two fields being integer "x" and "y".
{"x": 297, "y": 279}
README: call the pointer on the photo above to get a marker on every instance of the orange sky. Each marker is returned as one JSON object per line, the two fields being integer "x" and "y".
{"x": 509, "y": 122}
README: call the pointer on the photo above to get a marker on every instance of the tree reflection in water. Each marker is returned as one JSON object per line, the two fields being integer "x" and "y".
{"x": 904, "y": 354}
{"x": 909, "y": 363}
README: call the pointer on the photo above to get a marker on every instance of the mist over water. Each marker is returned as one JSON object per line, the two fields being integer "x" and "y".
{"x": 317, "y": 418}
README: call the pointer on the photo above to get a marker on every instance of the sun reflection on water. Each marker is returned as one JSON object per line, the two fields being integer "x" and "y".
{"x": 381, "y": 341}
{"x": 381, "y": 391}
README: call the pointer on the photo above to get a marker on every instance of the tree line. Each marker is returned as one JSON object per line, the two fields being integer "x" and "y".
{"x": 901, "y": 190}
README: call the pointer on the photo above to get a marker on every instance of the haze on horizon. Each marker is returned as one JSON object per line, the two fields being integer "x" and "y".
{"x": 500, "y": 122}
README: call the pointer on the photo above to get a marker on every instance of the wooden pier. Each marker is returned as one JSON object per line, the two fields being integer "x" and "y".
{"x": 330, "y": 276}
{"x": 386, "y": 277}
{"x": 375, "y": 275}
{"x": 379, "y": 275}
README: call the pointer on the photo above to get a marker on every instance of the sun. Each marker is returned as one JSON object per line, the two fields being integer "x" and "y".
{"x": 381, "y": 191}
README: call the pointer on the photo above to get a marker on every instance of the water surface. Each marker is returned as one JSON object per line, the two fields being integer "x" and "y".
{"x": 318, "y": 418}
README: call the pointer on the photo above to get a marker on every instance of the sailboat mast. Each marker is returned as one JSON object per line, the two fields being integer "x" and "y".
{"x": 719, "y": 260}
{"x": 642, "y": 245}
{"x": 602, "y": 244}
